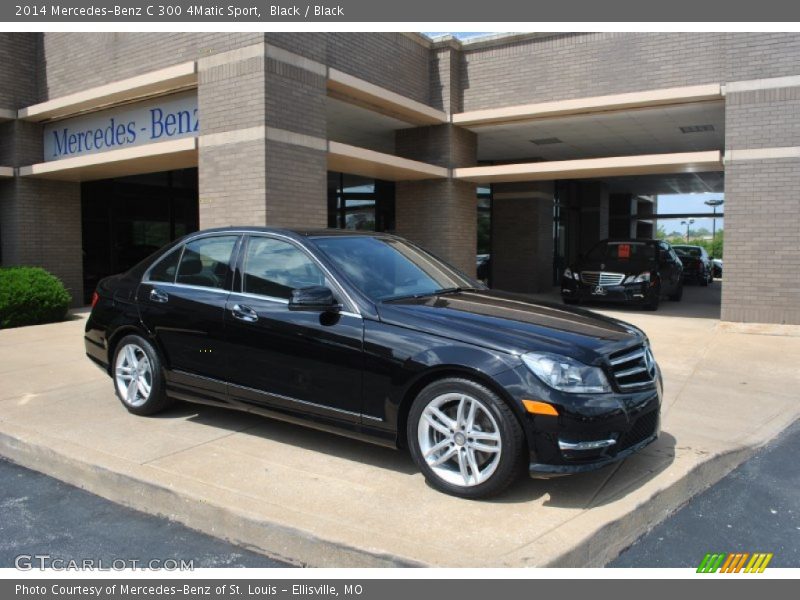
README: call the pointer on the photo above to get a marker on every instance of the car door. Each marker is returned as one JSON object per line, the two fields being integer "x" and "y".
{"x": 296, "y": 361}
{"x": 182, "y": 303}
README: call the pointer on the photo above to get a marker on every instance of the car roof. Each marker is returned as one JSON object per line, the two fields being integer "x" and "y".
{"x": 293, "y": 232}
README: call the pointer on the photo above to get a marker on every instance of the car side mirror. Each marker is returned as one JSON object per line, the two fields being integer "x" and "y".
{"x": 316, "y": 298}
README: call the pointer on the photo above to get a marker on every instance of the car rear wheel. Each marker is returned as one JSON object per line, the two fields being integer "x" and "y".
{"x": 678, "y": 294}
{"x": 704, "y": 280}
{"x": 465, "y": 439}
{"x": 138, "y": 377}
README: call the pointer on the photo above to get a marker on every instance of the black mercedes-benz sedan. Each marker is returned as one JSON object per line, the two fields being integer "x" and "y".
{"x": 635, "y": 272}
{"x": 370, "y": 336}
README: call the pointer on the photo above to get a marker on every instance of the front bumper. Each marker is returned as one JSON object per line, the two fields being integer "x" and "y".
{"x": 631, "y": 293}
{"x": 590, "y": 431}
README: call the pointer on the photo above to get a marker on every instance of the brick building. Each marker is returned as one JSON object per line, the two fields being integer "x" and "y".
{"x": 111, "y": 144}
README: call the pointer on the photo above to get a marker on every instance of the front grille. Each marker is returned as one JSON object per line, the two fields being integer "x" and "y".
{"x": 633, "y": 368}
{"x": 643, "y": 428}
{"x": 601, "y": 278}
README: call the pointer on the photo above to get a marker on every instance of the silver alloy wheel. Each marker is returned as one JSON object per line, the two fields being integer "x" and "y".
{"x": 459, "y": 439}
{"x": 134, "y": 375}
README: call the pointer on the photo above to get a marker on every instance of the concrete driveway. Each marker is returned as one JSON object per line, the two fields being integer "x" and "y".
{"x": 317, "y": 499}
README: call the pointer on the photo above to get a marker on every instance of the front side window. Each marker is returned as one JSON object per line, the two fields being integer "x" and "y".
{"x": 387, "y": 268}
{"x": 275, "y": 268}
{"x": 206, "y": 262}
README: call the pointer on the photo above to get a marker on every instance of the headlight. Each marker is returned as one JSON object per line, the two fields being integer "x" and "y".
{"x": 570, "y": 275}
{"x": 566, "y": 374}
{"x": 640, "y": 278}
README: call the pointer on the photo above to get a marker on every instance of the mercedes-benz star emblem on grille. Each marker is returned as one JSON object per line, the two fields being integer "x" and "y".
{"x": 650, "y": 363}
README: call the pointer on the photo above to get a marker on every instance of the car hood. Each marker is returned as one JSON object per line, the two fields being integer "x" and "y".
{"x": 513, "y": 323}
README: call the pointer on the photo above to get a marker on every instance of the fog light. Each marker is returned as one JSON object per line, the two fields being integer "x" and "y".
{"x": 589, "y": 445}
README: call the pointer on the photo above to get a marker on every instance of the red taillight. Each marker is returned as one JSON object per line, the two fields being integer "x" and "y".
{"x": 95, "y": 298}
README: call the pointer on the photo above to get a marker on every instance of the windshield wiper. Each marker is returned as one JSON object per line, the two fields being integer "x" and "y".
{"x": 439, "y": 292}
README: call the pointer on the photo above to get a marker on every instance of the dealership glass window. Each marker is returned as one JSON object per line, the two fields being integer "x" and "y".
{"x": 124, "y": 220}
{"x": 484, "y": 220}
{"x": 360, "y": 203}
{"x": 484, "y": 242}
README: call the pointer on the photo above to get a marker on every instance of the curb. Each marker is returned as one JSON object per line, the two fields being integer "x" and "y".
{"x": 277, "y": 541}
{"x": 298, "y": 547}
{"x": 614, "y": 537}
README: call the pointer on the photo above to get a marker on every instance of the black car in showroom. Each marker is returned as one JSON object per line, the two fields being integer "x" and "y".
{"x": 697, "y": 264}
{"x": 370, "y": 336}
{"x": 636, "y": 272}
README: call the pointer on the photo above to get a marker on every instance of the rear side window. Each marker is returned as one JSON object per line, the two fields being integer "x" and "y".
{"x": 206, "y": 262}
{"x": 275, "y": 268}
{"x": 165, "y": 269}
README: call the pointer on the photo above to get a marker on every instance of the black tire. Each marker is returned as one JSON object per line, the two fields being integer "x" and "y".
{"x": 157, "y": 399}
{"x": 676, "y": 297}
{"x": 704, "y": 279}
{"x": 654, "y": 299}
{"x": 570, "y": 301}
{"x": 509, "y": 464}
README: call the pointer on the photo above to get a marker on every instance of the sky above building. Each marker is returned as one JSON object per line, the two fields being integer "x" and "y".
{"x": 462, "y": 35}
{"x": 688, "y": 203}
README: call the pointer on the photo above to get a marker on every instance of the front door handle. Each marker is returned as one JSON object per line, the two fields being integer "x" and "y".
{"x": 244, "y": 313}
{"x": 156, "y": 295}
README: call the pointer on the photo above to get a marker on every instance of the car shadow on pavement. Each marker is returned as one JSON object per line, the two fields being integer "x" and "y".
{"x": 302, "y": 437}
{"x": 582, "y": 490}
{"x": 596, "y": 488}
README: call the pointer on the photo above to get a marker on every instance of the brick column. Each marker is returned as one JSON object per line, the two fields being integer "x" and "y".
{"x": 762, "y": 201}
{"x": 522, "y": 236}
{"x": 40, "y": 221}
{"x": 262, "y": 147}
{"x": 440, "y": 215}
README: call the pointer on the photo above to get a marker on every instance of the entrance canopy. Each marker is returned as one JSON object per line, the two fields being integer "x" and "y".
{"x": 593, "y": 168}
{"x": 162, "y": 156}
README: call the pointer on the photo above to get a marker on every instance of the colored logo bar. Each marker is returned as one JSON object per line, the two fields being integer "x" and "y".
{"x": 734, "y": 562}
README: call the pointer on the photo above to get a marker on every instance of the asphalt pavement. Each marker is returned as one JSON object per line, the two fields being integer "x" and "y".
{"x": 756, "y": 508}
{"x": 40, "y": 515}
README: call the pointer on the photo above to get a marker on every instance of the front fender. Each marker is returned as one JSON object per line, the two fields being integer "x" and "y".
{"x": 399, "y": 361}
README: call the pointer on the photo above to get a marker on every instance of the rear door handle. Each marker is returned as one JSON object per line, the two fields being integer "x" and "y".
{"x": 156, "y": 295}
{"x": 244, "y": 313}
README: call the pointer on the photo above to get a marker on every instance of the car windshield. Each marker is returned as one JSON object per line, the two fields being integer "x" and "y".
{"x": 622, "y": 252}
{"x": 691, "y": 251}
{"x": 390, "y": 268}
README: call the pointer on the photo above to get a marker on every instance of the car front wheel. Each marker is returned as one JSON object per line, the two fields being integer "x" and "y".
{"x": 465, "y": 439}
{"x": 138, "y": 378}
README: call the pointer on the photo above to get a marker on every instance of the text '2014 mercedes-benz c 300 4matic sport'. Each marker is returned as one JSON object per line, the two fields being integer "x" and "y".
{"x": 370, "y": 336}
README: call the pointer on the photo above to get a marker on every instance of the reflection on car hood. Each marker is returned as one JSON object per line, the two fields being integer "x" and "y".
{"x": 512, "y": 323}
